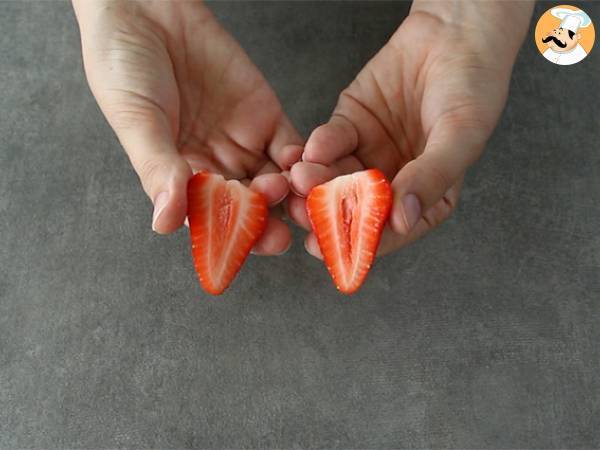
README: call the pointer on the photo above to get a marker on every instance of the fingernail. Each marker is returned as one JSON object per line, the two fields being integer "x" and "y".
{"x": 254, "y": 252}
{"x": 412, "y": 211}
{"x": 295, "y": 191}
{"x": 306, "y": 247}
{"x": 160, "y": 203}
{"x": 279, "y": 200}
{"x": 316, "y": 254}
{"x": 286, "y": 250}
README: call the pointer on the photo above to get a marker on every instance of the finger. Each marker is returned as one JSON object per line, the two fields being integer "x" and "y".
{"x": 296, "y": 210}
{"x": 286, "y": 146}
{"x": 136, "y": 96}
{"x": 312, "y": 246}
{"x": 442, "y": 210}
{"x": 306, "y": 175}
{"x": 438, "y": 213}
{"x": 275, "y": 240}
{"x": 273, "y": 186}
{"x": 423, "y": 182}
{"x": 162, "y": 171}
{"x": 199, "y": 162}
{"x": 271, "y": 167}
{"x": 392, "y": 241}
{"x": 331, "y": 141}
{"x": 290, "y": 154}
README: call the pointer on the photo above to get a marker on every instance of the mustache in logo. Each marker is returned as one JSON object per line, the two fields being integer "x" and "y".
{"x": 555, "y": 40}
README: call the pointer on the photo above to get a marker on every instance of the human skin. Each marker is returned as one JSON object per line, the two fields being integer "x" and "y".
{"x": 182, "y": 95}
{"x": 421, "y": 111}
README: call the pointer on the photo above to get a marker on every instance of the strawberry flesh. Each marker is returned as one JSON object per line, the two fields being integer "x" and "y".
{"x": 347, "y": 215}
{"x": 226, "y": 219}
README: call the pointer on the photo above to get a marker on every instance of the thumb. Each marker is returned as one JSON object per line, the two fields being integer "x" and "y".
{"x": 130, "y": 75}
{"x": 424, "y": 181}
{"x": 163, "y": 172}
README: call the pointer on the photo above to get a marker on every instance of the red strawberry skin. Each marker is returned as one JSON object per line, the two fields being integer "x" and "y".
{"x": 226, "y": 219}
{"x": 348, "y": 215}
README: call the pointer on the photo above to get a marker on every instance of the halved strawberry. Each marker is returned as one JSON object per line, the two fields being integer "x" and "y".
{"x": 226, "y": 219}
{"x": 347, "y": 215}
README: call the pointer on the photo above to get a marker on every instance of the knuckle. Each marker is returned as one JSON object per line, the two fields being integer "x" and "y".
{"x": 128, "y": 108}
{"x": 431, "y": 175}
{"x": 157, "y": 170}
{"x": 473, "y": 121}
{"x": 127, "y": 116}
{"x": 439, "y": 178}
{"x": 442, "y": 210}
{"x": 449, "y": 203}
{"x": 149, "y": 171}
{"x": 132, "y": 34}
{"x": 439, "y": 213}
{"x": 321, "y": 135}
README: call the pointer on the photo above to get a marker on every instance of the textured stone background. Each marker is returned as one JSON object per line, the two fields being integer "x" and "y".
{"x": 484, "y": 334}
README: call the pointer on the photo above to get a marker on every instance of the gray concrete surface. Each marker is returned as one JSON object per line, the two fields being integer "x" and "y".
{"x": 484, "y": 334}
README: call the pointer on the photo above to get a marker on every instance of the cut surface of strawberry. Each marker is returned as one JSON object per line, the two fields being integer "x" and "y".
{"x": 226, "y": 218}
{"x": 347, "y": 215}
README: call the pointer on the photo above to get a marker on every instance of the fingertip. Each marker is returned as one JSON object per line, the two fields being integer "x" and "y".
{"x": 290, "y": 154}
{"x": 397, "y": 221}
{"x": 165, "y": 180}
{"x": 296, "y": 209}
{"x": 274, "y": 186}
{"x": 285, "y": 147}
{"x": 312, "y": 246}
{"x": 391, "y": 241}
{"x": 323, "y": 146}
{"x": 317, "y": 144}
{"x": 306, "y": 175}
{"x": 276, "y": 239}
{"x": 169, "y": 213}
{"x": 406, "y": 212}
{"x": 331, "y": 141}
{"x": 297, "y": 178}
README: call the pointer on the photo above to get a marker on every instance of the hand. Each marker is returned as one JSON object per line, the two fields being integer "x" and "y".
{"x": 182, "y": 95}
{"x": 420, "y": 111}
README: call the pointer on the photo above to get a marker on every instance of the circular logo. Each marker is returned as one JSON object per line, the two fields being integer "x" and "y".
{"x": 565, "y": 35}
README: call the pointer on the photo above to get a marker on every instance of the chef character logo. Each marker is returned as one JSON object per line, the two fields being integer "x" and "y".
{"x": 564, "y": 35}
